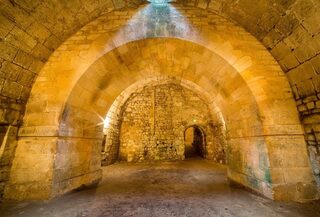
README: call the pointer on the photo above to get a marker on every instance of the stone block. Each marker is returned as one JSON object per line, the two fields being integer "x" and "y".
{"x": 302, "y": 108}
{"x": 290, "y": 61}
{"x": 281, "y": 50}
{"x": 38, "y": 31}
{"x": 310, "y": 105}
{"x": 10, "y": 53}
{"x": 287, "y": 24}
{"x": 21, "y": 39}
{"x": 298, "y": 37}
{"x": 215, "y": 6}
{"x": 11, "y": 89}
{"x": 301, "y": 73}
{"x": 304, "y": 52}
{"x": 23, "y": 59}
{"x": 41, "y": 52}
{"x": 10, "y": 71}
{"x": 36, "y": 66}
{"x": 272, "y": 38}
{"x": 26, "y": 78}
{"x": 311, "y": 25}
{"x": 52, "y": 42}
{"x": 6, "y": 26}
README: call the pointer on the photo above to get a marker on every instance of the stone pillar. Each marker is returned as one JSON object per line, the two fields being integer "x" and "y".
{"x": 290, "y": 169}
{"x": 45, "y": 167}
{"x": 32, "y": 169}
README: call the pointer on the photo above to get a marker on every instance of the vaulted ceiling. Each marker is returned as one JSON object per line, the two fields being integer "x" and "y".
{"x": 31, "y": 30}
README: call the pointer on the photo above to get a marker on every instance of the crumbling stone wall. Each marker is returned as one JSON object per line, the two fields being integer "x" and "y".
{"x": 154, "y": 121}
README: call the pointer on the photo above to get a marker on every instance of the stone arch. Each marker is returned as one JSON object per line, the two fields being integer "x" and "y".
{"x": 114, "y": 117}
{"x": 203, "y": 144}
{"x": 75, "y": 103}
{"x": 236, "y": 52}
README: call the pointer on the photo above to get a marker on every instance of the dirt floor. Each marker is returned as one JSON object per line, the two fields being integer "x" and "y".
{"x": 188, "y": 188}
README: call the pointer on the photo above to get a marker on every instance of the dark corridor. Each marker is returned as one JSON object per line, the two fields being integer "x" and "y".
{"x": 194, "y": 142}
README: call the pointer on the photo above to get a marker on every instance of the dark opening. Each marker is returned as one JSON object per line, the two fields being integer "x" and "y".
{"x": 194, "y": 141}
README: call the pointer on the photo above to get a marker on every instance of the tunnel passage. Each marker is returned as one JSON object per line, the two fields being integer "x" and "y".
{"x": 194, "y": 142}
{"x": 258, "y": 133}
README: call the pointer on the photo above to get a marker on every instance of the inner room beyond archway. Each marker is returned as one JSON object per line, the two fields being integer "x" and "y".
{"x": 194, "y": 142}
{"x": 150, "y": 123}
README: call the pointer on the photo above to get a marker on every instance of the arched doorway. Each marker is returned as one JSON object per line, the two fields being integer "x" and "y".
{"x": 194, "y": 142}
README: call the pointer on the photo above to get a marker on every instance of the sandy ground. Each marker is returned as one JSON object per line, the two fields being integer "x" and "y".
{"x": 193, "y": 187}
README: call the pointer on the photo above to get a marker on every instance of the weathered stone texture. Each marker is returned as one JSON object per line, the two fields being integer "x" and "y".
{"x": 291, "y": 31}
{"x": 52, "y": 166}
{"x": 31, "y": 30}
{"x": 38, "y": 28}
{"x": 155, "y": 119}
{"x": 155, "y": 56}
{"x": 286, "y": 28}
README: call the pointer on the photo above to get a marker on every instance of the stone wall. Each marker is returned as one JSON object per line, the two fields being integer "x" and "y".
{"x": 111, "y": 143}
{"x": 154, "y": 121}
